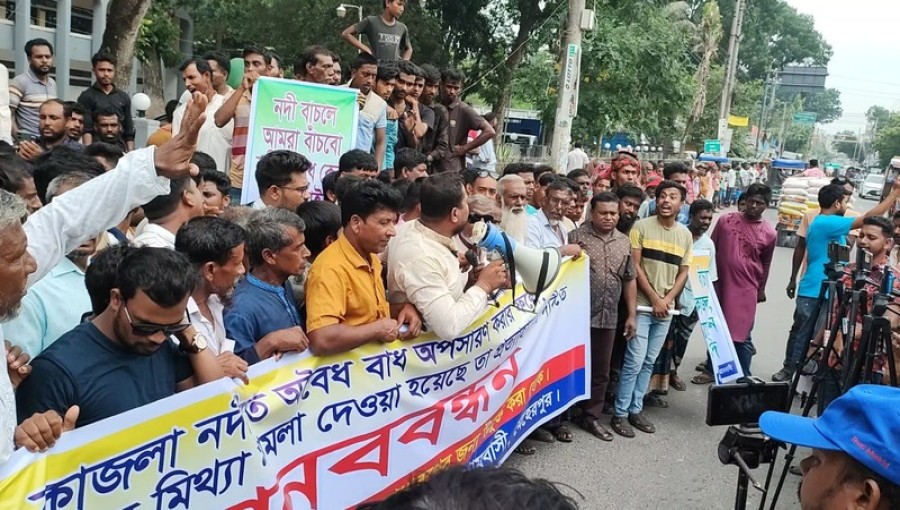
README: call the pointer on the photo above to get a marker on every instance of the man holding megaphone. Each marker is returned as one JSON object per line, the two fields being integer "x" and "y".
{"x": 423, "y": 264}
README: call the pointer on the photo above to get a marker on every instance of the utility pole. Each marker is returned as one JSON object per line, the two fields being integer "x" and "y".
{"x": 734, "y": 43}
{"x": 569, "y": 78}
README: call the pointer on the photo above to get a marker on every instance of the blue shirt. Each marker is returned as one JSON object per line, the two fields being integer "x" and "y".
{"x": 103, "y": 378}
{"x": 52, "y": 307}
{"x": 256, "y": 310}
{"x": 390, "y": 135}
{"x": 365, "y": 133}
{"x": 825, "y": 229}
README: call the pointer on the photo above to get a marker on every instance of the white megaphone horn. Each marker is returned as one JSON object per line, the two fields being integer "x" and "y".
{"x": 538, "y": 268}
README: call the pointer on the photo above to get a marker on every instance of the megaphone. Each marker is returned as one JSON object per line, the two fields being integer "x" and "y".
{"x": 538, "y": 268}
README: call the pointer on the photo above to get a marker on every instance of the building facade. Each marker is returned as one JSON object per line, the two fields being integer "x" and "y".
{"x": 75, "y": 28}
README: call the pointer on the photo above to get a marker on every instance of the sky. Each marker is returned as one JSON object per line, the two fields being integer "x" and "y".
{"x": 865, "y": 66}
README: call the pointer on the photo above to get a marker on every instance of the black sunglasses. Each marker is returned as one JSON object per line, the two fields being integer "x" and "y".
{"x": 487, "y": 218}
{"x": 148, "y": 329}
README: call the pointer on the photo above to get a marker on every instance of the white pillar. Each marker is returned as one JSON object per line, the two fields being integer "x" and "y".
{"x": 99, "y": 24}
{"x": 569, "y": 78}
{"x": 143, "y": 128}
{"x": 61, "y": 53}
{"x": 23, "y": 23}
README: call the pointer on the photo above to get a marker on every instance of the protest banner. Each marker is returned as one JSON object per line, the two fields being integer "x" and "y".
{"x": 318, "y": 121}
{"x": 330, "y": 432}
{"x": 725, "y": 366}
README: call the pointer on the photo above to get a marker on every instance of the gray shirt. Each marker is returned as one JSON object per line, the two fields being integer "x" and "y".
{"x": 26, "y": 95}
{"x": 386, "y": 41}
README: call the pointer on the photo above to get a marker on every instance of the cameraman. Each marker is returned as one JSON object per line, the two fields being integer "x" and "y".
{"x": 876, "y": 239}
{"x": 830, "y": 226}
{"x": 855, "y": 462}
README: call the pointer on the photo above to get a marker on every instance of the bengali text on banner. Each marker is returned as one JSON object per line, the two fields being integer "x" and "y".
{"x": 318, "y": 121}
{"x": 721, "y": 349}
{"x": 330, "y": 432}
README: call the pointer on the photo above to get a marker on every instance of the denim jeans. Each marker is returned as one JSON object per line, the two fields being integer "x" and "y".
{"x": 640, "y": 356}
{"x": 744, "y": 352}
{"x": 807, "y": 321}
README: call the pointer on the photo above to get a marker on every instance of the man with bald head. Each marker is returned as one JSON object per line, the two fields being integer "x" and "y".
{"x": 512, "y": 195}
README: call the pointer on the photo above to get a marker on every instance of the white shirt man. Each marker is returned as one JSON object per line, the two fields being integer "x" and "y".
{"x": 215, "y": 141}
{"x": 5, "y": 114}
{"x": 577, "y": 159}
{"x": 63, "y": 225}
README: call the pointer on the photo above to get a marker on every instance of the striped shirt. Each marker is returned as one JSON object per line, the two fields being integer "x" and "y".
{"x": 239, "y": 141}
{"x": 26, "y": 95}
{"x": 663, "y": 251}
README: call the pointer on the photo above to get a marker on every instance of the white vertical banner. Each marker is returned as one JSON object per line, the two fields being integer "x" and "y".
{"x": 573, "y": 71}
{"x": 725, "y": 365}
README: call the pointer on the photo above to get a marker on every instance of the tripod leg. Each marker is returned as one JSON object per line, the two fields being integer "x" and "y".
{"x": 854, "y": 367}
{"x": 888, "y": 343}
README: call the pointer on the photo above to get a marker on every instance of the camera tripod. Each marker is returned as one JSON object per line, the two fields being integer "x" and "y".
{"x": 857, "y": 359}
{"x": 747, "y": 447}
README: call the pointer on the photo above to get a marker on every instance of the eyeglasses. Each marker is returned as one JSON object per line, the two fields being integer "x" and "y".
{"x": 481, "y": 174}
{"x": 487, "y": 218}
{"x": 302, "y": 189}
{"x": 148, "y": 328}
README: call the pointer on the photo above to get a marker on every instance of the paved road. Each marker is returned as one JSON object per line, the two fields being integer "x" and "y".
{"x": 677, "y": 467}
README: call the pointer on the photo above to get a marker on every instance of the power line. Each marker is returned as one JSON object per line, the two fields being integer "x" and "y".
{"x": 864, "y": 80}
{"x": 526, "y": 41}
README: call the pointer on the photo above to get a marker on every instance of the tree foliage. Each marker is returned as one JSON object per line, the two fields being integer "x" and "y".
{"x": 774, "y": 35}
{"x": 878, "y": 115}
{"x": 644, "y": 67}
{"x": 159, "y": 34}
{"x": 887, "y": 141}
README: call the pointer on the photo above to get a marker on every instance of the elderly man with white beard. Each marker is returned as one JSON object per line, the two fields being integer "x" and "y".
{"x": 512, "y": 195}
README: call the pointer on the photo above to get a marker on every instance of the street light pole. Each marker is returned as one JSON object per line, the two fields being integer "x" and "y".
{"x": 569, "y": 78}
{"x": 342, "y": 12}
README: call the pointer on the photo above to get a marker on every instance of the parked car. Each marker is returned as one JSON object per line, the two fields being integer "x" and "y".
{"x": 871, "y": 187}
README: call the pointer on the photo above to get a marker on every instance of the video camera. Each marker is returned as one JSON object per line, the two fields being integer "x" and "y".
{"x": 740, "y": 405}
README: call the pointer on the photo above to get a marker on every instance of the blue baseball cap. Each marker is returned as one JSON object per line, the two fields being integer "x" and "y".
{"x": 864, "y": 423}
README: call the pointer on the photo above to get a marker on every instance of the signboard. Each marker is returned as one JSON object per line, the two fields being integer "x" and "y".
{"x": 802, "y": 80}
{"x": 805, "y": 118}
{"x": 573, "y": 65}
{"x": 725, "y": 365}
{"x": 330, "y": 432}
{"x": 318, "y": 121}
{"x": 712, "y": 146}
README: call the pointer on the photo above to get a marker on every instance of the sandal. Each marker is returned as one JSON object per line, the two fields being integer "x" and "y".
{"x": 654, "y": 401}
{"x": 563, "y": 434}
{"x": 596, "y": 429}
{"x": 543, "y": 435}
{"x": 621, "y": 426}
{"x": 703, "y": 378}
{"x": 676, "y": 382}
{"x": 641, "y": 423}
{"x": 526, "y": 448}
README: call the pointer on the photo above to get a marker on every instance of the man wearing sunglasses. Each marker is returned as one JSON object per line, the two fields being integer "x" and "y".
{"x": 125, "y": 358}
{"x": 481, "y": 182}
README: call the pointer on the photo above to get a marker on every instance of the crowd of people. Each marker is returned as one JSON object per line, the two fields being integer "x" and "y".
{"x": 142, "y": 261}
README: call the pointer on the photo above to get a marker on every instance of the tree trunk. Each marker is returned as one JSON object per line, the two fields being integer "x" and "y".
{"x": 123, "y": 25}
{"x": 153, "y": 84}
{"x": 510, "y": 66}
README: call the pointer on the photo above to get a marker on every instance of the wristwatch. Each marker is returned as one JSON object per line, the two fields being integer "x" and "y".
{"x": 198, "y": 344}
